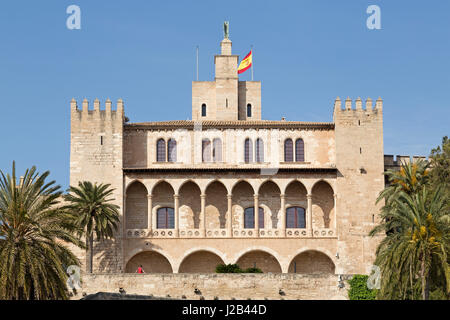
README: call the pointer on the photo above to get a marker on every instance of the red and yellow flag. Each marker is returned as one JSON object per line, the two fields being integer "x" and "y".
{"x": 246, "y": 63}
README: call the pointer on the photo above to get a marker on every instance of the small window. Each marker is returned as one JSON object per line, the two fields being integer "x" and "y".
{"x": 165, "y": 218}
{"x": 101, "y": 140}
{"x": 161, "y": 150}
{"x": 248, "y": 151}
{"x": 299, "y": 150}
{"x": 288, "y": 146}
{"x": 295, "y": 217}
{"x": 259, "y": 150}
{"x": 172, "y": 150}
{"x": 206, "y": 150}
{"x": 203, "y": 110}
{"x": 249, "y": 110}
{"x": 249, "y": 218}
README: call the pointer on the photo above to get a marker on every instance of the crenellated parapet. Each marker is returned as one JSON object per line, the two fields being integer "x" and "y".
{"x": 358, "y": 105}
{"x": 115, "y": 115}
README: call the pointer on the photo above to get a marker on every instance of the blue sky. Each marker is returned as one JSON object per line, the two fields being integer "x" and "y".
{"x": 305, "y": 53}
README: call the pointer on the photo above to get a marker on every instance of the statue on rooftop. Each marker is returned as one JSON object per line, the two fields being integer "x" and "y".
{"x": 226, "y": 29}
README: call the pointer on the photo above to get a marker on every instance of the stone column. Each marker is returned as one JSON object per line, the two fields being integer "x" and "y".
{"x": 309, "y": 215}
{"x": 176, "y": 200}
{"x": 229, "y": 215}
{"x": 202, "y": 215}
{"x": 256, "y": 213}
{"x": 335, "y": 213}
{"x": 283, "y": 215}
{"x": 149, "y": 213}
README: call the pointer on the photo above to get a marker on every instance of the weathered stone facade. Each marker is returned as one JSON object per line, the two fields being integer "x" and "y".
{"x": 222, "y": 286}
{"x": 184, "y": 209}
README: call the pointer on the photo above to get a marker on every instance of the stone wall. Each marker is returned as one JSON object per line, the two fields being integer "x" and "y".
{"x": 223, "y": 286}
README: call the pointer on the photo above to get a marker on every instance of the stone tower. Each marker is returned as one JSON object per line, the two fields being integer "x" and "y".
{"x": 96, "y": 155}
{"x": 360, "y": 164}
{"x": 226, "y": 98}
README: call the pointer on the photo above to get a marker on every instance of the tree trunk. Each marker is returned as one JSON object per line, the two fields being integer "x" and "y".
{"x": 422, "y": 275}
{"x": 91, "y": 253}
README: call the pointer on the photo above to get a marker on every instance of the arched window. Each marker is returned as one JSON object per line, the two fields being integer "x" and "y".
{"x": 172, "y": 150}
{"x": 249, "y": 218}
{"x": 259, "y": 150}
{"x": 299, "y": 150}
{"x": 288, "y": 154}
{"x": 217, "y": 150}
{"x": 206, "y": 150}
{"x": 295, "y": 217}
{"x": 203, "y": 110}
{"x": 249, "y": 110}
{"x": 165, "y": 218}
{"x": 161, "y": 150}
{"x": 248, "y": 151}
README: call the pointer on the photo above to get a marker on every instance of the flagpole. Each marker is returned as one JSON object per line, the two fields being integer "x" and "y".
{"x": 251, "y": 49}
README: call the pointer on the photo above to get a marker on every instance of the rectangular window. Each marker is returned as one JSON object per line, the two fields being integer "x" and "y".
{"x": 249, "y": 110}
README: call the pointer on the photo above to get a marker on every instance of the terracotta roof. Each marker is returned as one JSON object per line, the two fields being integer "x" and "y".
{"x": 189, "y": 124}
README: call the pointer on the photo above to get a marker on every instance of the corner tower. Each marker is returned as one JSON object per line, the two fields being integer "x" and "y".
{"x": 360, "y": 164}
{"x": 226, "y": 98}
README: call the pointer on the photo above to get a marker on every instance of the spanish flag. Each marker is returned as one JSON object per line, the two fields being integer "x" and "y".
{"x": 246, "y": 63}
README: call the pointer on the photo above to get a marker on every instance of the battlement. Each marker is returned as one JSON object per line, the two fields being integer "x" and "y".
{"x": 348, "y": 105}
{"x": 97, "y": 113}
{"x": 391, "y": 163}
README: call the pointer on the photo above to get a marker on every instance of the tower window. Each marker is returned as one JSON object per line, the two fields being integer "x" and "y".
{"x": 249, "y": 110}
{"x": 203, "y": 110}
{"x": 101, "y": 140}
{"x": 165, "y": 218}
{"x": 161, "y": 150}
{"x": 299, "y": 150}
{"x": 172, "y": 150}
{"x": 295, "y": 217}
{"x": 259, "y": 150}
{"x": 206, "y": 150}
{"x": 217, "y": 150}
{"x": 288, "y": 151}
{"x": 248, "y": 151}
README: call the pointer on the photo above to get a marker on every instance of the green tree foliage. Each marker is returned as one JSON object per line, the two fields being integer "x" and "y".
{"x": 93, "y": 213}
{"x": 413, "y": 256}
{"x": 359, "y": 290}
{"x": 234, "y": 268}
{"x": 33, "y": 234}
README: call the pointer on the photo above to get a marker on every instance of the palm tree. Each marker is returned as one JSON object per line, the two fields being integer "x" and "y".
{"x": 33, "y": 231}
{"x": 417, "y": 247}
{"x": 93, "y": 213}
{"x": 411, "y": 178}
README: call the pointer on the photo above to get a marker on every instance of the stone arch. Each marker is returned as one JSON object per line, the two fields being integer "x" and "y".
{"x": 269, "y": 197}
{"x": 216, "y": 205}
{"x": 136, "y": 206}
{"x": 295, "y": 195}
{"x": 131, "y": 182}
{"x": 322, "y": 205}
{"x": 190, "y": 205}
{"x": 151, "y": 261}
{"x": 242, "y": 197}
{"x": 162, "y": 196}
{"x": 312, "y": 262}
{"x": 161, "y": 182}
{"x": 200, "y": 261}
{"x": 259, "y": 258}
